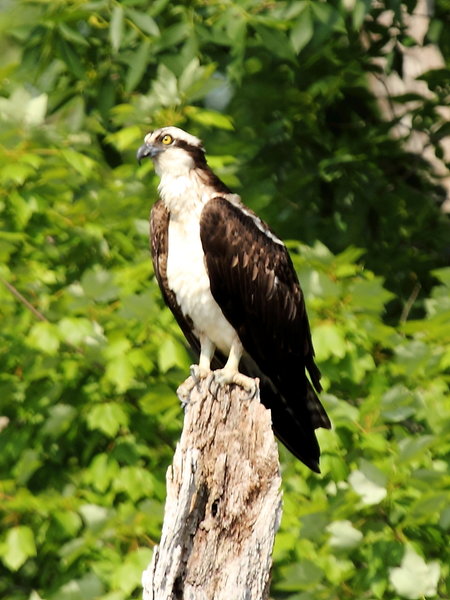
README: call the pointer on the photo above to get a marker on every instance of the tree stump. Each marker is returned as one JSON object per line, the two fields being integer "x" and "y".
{"x": 223, "y": 503}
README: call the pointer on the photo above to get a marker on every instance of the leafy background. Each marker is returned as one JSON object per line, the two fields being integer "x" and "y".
{"x": 90, "y": 358}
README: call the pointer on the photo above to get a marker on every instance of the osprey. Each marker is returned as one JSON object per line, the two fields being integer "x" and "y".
{"x": 233, "y": 290}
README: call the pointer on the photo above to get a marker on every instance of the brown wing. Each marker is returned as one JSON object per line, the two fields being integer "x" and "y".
{"x": 159, "y": 229}
{"x": 255, "y": 284}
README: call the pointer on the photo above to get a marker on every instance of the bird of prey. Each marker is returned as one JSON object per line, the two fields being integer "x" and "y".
{"x": 233, "y": 290}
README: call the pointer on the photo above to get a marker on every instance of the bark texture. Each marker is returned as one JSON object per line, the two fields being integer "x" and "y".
{"x": 223, "y": 502}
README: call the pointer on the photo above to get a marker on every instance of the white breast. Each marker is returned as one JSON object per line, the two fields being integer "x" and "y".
{"x": 188, "y": 278}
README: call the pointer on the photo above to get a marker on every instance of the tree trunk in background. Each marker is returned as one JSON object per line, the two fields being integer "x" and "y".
{"x": 223, "y": 503}
{"x": 416, "y": 60}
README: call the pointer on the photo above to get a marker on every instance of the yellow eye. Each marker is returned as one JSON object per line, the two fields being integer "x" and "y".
{"x": 167, "y": 139}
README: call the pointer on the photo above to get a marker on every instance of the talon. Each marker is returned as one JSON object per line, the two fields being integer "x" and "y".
{"x": 213, "y": 386}
{"x": 254, "y": 391}
{"x": 184, "y": 391}
{"x": 226, "y": 377}
{"x": 194, "y": 370}
{"x": 198, "y": 373}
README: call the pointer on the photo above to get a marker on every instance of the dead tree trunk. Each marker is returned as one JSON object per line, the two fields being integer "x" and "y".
{"x": 223, "y": 502}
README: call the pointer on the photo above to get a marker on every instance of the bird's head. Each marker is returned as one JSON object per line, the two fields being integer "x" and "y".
{"x": 172, "y": 150}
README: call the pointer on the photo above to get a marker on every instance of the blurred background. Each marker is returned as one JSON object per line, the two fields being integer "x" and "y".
{"x": 330, "y": 118}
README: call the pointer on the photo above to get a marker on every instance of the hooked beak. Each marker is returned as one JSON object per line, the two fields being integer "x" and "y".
{"x": 147, "y": 150}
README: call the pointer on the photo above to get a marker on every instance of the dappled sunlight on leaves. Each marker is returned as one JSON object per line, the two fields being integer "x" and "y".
{"x": 91, "y": 359}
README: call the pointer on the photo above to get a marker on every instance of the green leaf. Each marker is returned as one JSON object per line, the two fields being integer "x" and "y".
{"x": 69, "y": 521}
{"x": 369, "y": 483}
{"x": 143, "y": 21}
{"x": 126, "y": 139}
{"x": 413, "y": 355}
{"x": 443, "y": 275}
{"x": 116, "y": 27}
{"x": 444, "y": 520}
{"x": 159, "y": 398}
{"x": 335, "y": 466}
{"x": 276, "y": 41}
{"x": 19, "y": 545}
{"x": 138, "y": 306}
{"x": 44, "y": 336}
{"x": 101, "y": 472}
{"x": 360, "y": 9}
{"x": 300, "y": 576}
{"x": 370, "y": 295}
{"x": 24, "y": 208}
{"x": 94, "y": 516}
{"x": 71, "y": 35}
{"x": 137, "y": 482}
{"x": 316, "y": 284}
{"x": 302, "y": 30}
{"x": 128, "y": 575}
{"x": 120, "y": 371}
{"x": 343, "y": 535}
{"x": 118, "y": 346}
{"x": 399, "y": 403}
{"x": 313, "y": 525}
{"x": 107, "y": 417}
{"x": 411, "y": 447}
{"x": 36, "y": 110}
{"x": 328, "y": 341}
{"x": 99, "y": 285}
{"x": 171, "y": 36}
{"x": 75, "y": 331}
{"x": 88, "y": 587}
{"x": 59, "y": 420}
{"x": 415, "y": 578}
{"x": 328, "y": 16}
{"x": 82, "y": 163}
{"x": 138, "y": 66}
{"x": 430, "y": 504}
{"x": 71, "y": 59}
{"x": 165, "y": 87}
{"x": 16, "y": 173}
{"x": 29, "y": 462}
{"x": 171, "y": 354}
{"x": 211, "y": 118}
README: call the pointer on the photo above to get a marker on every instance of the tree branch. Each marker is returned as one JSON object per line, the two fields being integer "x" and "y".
{"x": 223, "y": 502}
{"x": 15, "y": 292}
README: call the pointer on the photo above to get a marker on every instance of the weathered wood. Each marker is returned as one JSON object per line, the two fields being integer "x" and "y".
{"x": 223, "y": 502}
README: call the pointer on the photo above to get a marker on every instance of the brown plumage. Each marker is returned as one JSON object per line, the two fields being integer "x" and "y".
{"x": 252, "y": 280}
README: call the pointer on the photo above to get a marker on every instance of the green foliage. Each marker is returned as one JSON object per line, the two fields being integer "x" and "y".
{"x": 90, "y": 359}
{"x": 379, "y": 514}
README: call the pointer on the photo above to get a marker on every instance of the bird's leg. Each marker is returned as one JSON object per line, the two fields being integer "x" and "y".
{"x": 207, "y": 349}
{"x": 230, "y": 372}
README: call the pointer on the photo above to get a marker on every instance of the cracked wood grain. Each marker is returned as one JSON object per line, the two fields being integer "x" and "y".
{"x": 223, "y": 503}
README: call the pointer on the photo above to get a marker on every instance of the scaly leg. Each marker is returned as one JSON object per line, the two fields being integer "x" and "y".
{"x": 230, "y": 372}
{"x": 207, "y": 349}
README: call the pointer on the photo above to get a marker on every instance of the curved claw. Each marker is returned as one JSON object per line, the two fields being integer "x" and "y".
{"x": 225, "y": 377}
{"x": 198, "y": 373}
